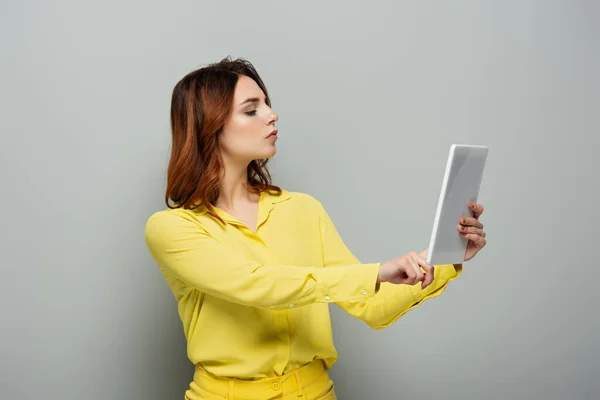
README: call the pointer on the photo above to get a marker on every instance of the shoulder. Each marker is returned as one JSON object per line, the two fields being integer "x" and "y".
{"x": 170, "y": 216}
{"x": 301, "y": 200}
{"x": 162, "y": 224}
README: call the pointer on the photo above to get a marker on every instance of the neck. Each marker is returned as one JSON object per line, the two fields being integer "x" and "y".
{"x": 234, "y": 185}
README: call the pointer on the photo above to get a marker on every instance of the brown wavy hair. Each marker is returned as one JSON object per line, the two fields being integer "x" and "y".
{"x": 200, "y": 105}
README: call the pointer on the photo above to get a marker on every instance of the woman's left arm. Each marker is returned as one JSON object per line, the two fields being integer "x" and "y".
{"x": 391, "y": 301}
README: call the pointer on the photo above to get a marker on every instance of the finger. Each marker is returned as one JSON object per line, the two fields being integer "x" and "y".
{"x": 478, "y": 240}
{"x": 477, "y": 209}
{"x": 470, "y": 229}
{"x": 420, "y": 262}
{"x": 418, "y": 273}
{"x": 409, "y": 271}
{"x": 428, "y": 276}
{"x": 468, "y": 221}
{"x": 415, "y": 266}
{"x": 424, "y": 253}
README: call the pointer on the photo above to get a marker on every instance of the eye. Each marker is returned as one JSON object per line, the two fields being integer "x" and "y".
{"x": 250, "y": 113}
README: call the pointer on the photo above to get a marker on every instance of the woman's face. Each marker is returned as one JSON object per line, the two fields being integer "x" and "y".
{"x": 249, "y": 133}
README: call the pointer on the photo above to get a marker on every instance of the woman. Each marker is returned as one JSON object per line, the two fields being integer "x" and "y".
{"x": 254, "y": 267}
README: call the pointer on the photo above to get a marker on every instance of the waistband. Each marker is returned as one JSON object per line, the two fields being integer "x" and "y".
{"x": 288, "y": 383}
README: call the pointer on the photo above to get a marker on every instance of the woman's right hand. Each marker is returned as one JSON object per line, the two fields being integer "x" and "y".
{"x": 407, "y": 269}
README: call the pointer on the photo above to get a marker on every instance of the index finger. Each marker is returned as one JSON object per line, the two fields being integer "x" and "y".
{"x": 477, "y": 209}
{"x": 429, "y": 270}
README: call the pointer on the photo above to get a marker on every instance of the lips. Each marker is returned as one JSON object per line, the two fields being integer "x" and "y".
{"x": 273, "y": 133}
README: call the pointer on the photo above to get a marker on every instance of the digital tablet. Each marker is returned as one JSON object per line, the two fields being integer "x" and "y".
{"x": 462, "y": 180}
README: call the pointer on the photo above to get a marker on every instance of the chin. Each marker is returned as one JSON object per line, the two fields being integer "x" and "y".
{"x": 268, "y": 153}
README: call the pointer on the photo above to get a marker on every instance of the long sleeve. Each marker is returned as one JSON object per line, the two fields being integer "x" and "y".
{"x": 185, "y": 251}
{"x": 391, "y": 301}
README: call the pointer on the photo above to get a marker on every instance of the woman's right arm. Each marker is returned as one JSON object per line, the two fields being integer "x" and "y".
{"x": 186, "y": 251}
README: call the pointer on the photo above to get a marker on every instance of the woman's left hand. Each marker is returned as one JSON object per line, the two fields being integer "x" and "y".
{"x": 472, "y": 229}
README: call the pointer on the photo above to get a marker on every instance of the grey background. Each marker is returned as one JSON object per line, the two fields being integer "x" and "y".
{"x": 370, "y": 94}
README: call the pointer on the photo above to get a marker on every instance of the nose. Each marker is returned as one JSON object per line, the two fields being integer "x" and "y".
{"x": 273, "y": 117}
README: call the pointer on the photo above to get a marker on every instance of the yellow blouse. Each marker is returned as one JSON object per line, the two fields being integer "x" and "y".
{"x": 256, "y": 304}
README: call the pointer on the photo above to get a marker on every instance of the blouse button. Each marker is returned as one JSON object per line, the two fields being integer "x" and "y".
{"x": 326, "y": 298}
{"x": 364, "y": 292}
{"x": 291, "y": 306}
{"x": 276, "y": 386}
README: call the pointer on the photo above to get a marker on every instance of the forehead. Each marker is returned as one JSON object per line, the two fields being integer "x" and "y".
{"x": 246, "y": 87}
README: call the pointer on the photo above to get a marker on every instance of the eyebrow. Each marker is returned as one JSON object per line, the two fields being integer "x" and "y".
{"x": 250, "y": 100}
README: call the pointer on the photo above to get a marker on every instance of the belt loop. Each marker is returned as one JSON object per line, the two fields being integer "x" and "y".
{"x": 298, "y": 383}
{"x": 230, "y": 394}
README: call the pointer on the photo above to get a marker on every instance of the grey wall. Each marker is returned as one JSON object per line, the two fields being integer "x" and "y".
{"x": 370, "y": 97}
